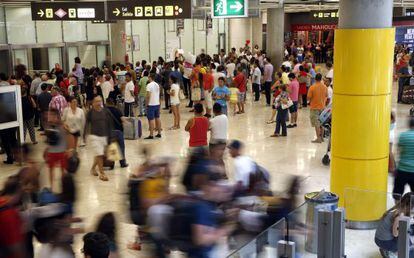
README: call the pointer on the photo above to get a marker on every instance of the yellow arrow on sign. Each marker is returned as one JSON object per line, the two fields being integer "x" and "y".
{"x": 116, "y": 11}
{"x": 41, "y": 13}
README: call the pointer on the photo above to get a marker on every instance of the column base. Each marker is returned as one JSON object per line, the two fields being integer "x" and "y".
{"x": 364, "y": 225}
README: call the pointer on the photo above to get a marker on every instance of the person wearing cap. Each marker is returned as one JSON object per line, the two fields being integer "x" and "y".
{"x": 244, "y": 166}
{"x": 58, "y": 102}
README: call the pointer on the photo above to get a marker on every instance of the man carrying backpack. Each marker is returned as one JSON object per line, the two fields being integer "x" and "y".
{"x": 250, "y": 177}
{"x": 193, "y": 222}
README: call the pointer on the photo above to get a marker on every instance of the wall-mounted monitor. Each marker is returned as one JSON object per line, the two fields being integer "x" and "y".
{"x": 10, "y": 107}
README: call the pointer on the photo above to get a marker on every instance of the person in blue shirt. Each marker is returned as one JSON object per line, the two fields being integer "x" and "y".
{"x": 205, "y": 220}
{"x": 405, "y": 169}
{"x": 221, "y": 94}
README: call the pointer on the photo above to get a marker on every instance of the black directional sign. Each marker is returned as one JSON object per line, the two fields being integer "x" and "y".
{"x": 149, "y": 9}
{"x": 67, "y": 11}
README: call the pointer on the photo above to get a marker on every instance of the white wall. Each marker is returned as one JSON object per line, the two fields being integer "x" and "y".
{"x": 48, "y": 32}
{"x": 140, "y": 29}
{"x": 157, "y": 39}
{"x": 20, "y": 27}
{"x": 162, "y": 36}
{"x": 74, "y": 31}
{"x": 240, "y": 30}
{"x": 97, "y": 31}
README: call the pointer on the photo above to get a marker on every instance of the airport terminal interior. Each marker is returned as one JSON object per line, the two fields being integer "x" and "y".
{"x": 204, "y": 129}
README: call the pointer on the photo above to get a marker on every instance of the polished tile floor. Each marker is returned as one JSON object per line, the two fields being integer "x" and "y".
{"x": 284, "y": 157}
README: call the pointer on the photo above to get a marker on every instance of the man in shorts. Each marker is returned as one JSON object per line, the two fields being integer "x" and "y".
{"x": 240, "y": 83}
{"x": 294, "y": 96}
{"x": 99, "y": 127}
{"x": 153, "y": 107}
{"x": 317, "y": 95}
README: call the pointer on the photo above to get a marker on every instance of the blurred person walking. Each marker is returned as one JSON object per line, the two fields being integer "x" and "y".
{"x": 74, "y": 122}
{"x": 405, "y": 167}
{"x": 98, "y": 127}
{"x": 118, "y": 121}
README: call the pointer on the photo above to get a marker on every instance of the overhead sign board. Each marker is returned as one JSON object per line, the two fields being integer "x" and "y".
{"x": 325, "y": 15}
{"x": 67, "y": 11}
{"x": 229, "y": 8}
{"x": 148, "y": 9}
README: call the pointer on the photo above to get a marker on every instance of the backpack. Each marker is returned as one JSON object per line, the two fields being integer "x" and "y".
{"x": 180, "y": 225}
{"x": 73, "y": 163}
{"x": 259, "y": 182}
{"x": 135, "y": 202}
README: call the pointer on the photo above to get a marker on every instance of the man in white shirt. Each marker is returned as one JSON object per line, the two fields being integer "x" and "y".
{"x": 244, "y": 166}
{"x": 256, "y": 80}
{"x": 330, "y": 73}
{"x": 218, "y": 125}
{"x": 219, "y": 73}
{"x": 153, "y": 107}
{"x": 129, "y": 98}
{"x": 230, "y": 67}
{"x": 287, "y": 63}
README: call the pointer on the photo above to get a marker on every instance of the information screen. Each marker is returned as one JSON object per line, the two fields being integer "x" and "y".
{"x": 8, "y": 111}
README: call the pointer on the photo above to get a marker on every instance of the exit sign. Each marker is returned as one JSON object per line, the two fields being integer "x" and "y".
{"x": 229, "y": 8}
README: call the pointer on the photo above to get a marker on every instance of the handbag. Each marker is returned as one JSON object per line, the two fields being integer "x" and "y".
{"x": 288, "y": 104}
{"x": 195, "y": 94}
{"x": 113, "y": 152}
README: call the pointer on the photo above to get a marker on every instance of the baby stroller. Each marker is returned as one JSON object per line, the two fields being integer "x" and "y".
{"x": 326, "y": 118}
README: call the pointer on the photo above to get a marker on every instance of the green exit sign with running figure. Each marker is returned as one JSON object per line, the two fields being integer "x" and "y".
{"x": 229, "y": 8}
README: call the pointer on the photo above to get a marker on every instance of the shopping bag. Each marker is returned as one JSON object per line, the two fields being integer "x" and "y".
{"x": 196, "y": 94}
{"x": 181, "y": 95}
{"x": 113, "y": 152}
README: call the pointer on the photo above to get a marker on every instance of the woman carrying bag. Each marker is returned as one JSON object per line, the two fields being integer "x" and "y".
{"x": 282, "y": 104}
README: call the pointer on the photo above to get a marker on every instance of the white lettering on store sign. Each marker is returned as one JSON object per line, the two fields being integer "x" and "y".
{"x": 323, "y": 27}
{"x": 86, "y": 13}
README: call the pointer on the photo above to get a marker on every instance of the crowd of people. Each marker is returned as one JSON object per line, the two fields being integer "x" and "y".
{"x": 94, "y": 107}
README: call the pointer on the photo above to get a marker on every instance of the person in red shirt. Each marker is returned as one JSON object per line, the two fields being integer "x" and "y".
{"x": 303, "y": 91}
{"x": 241, "y": 83}
{"x": 11, "y": 225}
{"x": 64, "y": 84}
{"x": 198, "y": 127}
{"x": 208, "y": 85}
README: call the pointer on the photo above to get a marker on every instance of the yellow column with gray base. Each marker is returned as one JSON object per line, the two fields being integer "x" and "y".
{"x": 363, "y": 69}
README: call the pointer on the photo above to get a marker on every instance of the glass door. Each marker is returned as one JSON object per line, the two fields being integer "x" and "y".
{"x": 101, "y": 54}
{"x": 5, "y": 62}
{"x": 72, "y": 53}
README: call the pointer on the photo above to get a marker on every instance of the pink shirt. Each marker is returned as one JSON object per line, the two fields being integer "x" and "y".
{"x": 294, "y": 90}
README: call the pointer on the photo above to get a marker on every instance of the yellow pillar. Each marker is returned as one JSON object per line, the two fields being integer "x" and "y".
{"x": 363, "y": 68}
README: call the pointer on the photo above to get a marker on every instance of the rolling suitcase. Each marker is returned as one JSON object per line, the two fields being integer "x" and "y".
{"x": 133, "y": 129}
{"x": 408, "y": 94}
